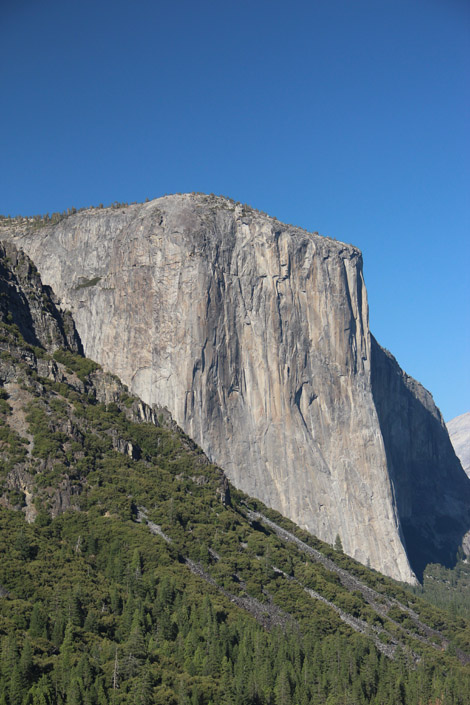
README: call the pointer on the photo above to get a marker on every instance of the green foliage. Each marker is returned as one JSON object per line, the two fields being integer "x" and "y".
{"x": 448, "y": 588}
{"x": 87, "y": 283}
{"x": 82, "y": 366}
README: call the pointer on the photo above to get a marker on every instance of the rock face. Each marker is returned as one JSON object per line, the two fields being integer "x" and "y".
{"x": 430, "y": 486}
{"x": 459, "y": 433}
{"x": 255, "y": 336}
{"x": 29, "y": 305}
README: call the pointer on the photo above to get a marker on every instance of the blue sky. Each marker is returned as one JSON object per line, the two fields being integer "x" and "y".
{"x": 349, "y": 117}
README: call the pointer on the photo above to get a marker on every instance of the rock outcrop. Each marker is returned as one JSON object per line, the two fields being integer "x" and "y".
{"x": 255, "y": 336}
{"x": 29, "y": 305}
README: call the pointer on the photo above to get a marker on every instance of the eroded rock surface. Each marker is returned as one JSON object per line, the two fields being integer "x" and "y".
{"x": 255, "y": 336}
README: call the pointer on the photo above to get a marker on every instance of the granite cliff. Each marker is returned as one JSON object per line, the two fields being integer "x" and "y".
{"x": 430, "y": 486}
{"x": 255, "y": 336}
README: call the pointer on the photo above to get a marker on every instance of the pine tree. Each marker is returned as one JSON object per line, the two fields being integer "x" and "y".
{"x": 183, "y": 697}
{"x": 282, "y": 688}
{"x": 37, "y": 622}
{"x": 75, "y": 611}
{"x": 142, "y": 692}
{"x": 135, "y": 577}
{"x": 41, "y": 693}
{"x": 26, "y": 665}
{"x": 226, "y": 691}
{"x": 10, "y": 656}
{"x": 101, "y": 697}
{"x": 58, "y": 629}
{"x": 338, "y": 545}
{"x": 84, "y": 672}
{"x": 134, "y": 650}
{"x": 23, "y": 546}
{"x": 64, "y": 663}
{"x": 116, "y": 601}
{"x": 74, "y": 692}
{"x": 16, "y": 687}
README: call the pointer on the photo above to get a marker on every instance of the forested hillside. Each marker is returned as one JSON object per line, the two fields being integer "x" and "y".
{"x": 132, "y": 572}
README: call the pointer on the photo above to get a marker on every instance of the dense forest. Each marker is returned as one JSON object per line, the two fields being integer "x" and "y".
{"x": 132, "y": 572}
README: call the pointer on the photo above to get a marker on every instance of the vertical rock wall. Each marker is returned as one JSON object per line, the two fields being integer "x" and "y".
{"x": 431, "y": 489}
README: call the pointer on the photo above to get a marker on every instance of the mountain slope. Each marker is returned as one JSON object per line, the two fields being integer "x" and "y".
{"x": 254, "y": 334}
{"x": 131, "y": 571}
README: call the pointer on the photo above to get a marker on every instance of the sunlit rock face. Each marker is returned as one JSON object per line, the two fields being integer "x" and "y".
{"x": 255, "y": 336}
{"x": 459, "y": 433}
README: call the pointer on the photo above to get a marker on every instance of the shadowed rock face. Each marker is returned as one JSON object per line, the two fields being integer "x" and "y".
{"x": 26, "y": 303}
{"x": 432, "y": 490}
{"x": 255, "y": 336}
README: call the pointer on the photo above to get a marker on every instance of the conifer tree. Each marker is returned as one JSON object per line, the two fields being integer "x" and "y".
{"x": 37, "y": 622}
{"x": 40, "y": 693}
{"x": 74, "y": 692}
{"x": 58, "y": 629}
{"x": 23, "y": 546}
{"x": 282, "y": 688}
{"x": 64, "y": 663}
{"x": 142, "y": 692}
{"x": 26, "y": 665}
{"x": 16, "y": 691}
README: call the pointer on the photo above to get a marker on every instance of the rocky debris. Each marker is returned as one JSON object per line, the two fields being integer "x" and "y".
{"x": 359, "y": 625}
{"x": 63, "y": 497}
{"x": 380, "y": 603}
{"x": 459, "y": 433}
{"x": 267, "y": 613}
{"x": 23, "y": 483}
{"x": 154, "y": 529}
{"x": 125, "y": 447}
{"x": 18, "y": 398}
{"x": 254, "y": 335}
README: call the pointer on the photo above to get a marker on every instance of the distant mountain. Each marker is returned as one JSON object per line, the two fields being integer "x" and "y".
{"x": 132, "y": 572}
{"x": 459, "y": 433}
{"x": 255, "y": 335}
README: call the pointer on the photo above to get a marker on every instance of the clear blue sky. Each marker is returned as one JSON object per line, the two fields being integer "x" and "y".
{"x": 349, "y": 117}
